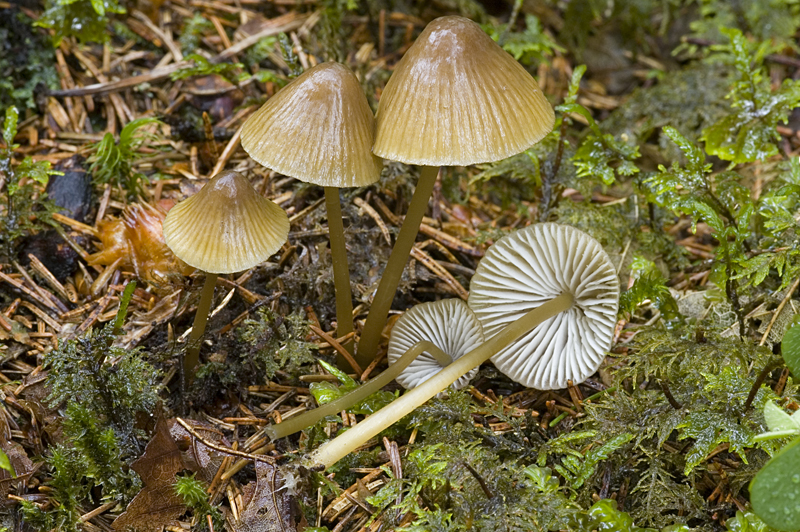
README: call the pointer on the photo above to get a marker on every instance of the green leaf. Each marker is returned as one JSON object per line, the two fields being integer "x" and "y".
{"x": 10, "y": 127}
{"x": 5, "y": 463}
{"x": 775, "y": 490}
{"x": 790, "y": 347}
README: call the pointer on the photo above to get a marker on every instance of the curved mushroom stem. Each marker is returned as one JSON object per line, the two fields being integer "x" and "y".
{"x": 334, "y": 450}
{"x": 192, "y": 356}
{"x": 309, "y": 418}
{"x": 382, "y": 302}
{"x": 341, "y": 271}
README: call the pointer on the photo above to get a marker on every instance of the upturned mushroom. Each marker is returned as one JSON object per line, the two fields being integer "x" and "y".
{"x": 227, "y": 227}
{"x": 319, "y": 129}
{"x": 424, "y": 340}
{"x": 574, "y": 315}
{"x": 456, "y": 98}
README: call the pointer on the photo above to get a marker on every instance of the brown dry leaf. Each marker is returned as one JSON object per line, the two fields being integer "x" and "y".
{"x": 196, "y": 455}
{"x": 18, "y": 458}
{"x": 157, "y": 505}
{"x": 266, "y": 507}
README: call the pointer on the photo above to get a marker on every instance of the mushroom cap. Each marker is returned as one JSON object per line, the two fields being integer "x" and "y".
{"x": 457, "y": 98}
{"x": 529, "y": 267}
{"x": 227, "y": 227}
{"x": 449, "y": 324}
{"x": 319, "y": 129}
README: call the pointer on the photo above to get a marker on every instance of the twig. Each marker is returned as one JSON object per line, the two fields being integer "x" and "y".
{"x": 778, "y": 310}
{"x": 672, "y": 401}
{"x": 339, "y": 349}
{"x": 220, "y": 448}
{"x": 756, "y": 385}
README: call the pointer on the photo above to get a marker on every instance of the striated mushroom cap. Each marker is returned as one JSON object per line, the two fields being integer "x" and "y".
{"x": 527, "y": 268}
{"x": 227, "y": 227}
{"x": 457, "y": 98}
{"x": 319, "y": 129}
{"x": 448, "y": 324}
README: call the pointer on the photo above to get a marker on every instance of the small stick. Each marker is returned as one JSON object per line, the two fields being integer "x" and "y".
{"x": 220, "y": 448}
{"x": 674, "y": 403}
{"x": 756, "y": 385}
{"x": 339, "y": 348}
{"x": 778, "y": 311}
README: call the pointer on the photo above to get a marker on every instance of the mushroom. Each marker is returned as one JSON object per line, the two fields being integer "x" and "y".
{"x": 530, "y": 267}
{"x": 455, "y": 98}
{"x": 580, "y": 276}
{"x": 226, "y": 227}
{"x": 449, "y": 324}
{"x": 319, "y": 129}
{"x": 424, "y": 340}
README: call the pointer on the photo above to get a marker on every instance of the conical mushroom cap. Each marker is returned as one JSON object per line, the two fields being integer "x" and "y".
{"x": 448, "y": 324}
{"x": 529, "y": 267}
{"x": 457, "y": 98}
{"x": 227, "y": 227}
{"x": 318, "y": 128}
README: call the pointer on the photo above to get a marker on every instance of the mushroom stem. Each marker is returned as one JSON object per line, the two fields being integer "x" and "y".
{"x": 334, "y": 450}
{"x": 192, "y": 355}
{"x": 309, "y": 418}
{"x": 341, "y": 272}
{"x": 382, "y": 302}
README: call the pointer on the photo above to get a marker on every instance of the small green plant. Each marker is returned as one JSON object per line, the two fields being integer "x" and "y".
{"x": 84, "y": 19}
{"x": 775, "y": 490}
{"x": 203, "y": 67}
{"x": 193, "y": 29}
{"x": 103, "y": 388}
{"x": 649, "y": 284}
{"x": 113, "y": 384}
{"x": 112, "y": 161}
{"x": 195, "y": 496}
{"x": 25, "y": 207}
{"x": 749, "y": 132}
{"x": 26, "y": 61}
{"x": 530, "y": 47}
{"x": 274, "y": 343}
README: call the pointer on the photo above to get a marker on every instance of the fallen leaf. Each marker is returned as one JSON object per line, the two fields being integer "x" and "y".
{"x": 196, "y": 455}
{"x": 266, "y": 506}
{"x": 157, "y": 505}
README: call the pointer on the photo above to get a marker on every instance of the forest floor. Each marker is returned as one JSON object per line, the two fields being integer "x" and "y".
{"x": 101, "y": 429}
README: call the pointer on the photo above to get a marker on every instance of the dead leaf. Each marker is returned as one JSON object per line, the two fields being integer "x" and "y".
{"x": 23, "y": 467}
{"x": 157, "y": 505}
{"x": 266, "y": 507}
{"x": 196, "y": 455}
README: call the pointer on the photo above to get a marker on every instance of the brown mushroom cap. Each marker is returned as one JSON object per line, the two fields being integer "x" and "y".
{"x": 227, "y": 227}
{"x": 319, "y": 128}
{"x": 457, "y": 98}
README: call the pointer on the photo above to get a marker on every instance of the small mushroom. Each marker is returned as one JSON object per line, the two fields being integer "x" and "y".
{"x": 455, "y": 98}
{"x": 449, "y": 324}
{"x": 580, "y": 276}
{"x": 227, "y": 227}
{"x": 424, "y": 340}
{"x": 319, "y": 129}
{"x": 530, "y": 267}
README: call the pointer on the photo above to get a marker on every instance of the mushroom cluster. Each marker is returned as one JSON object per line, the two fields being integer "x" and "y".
{"x": 547, "y": 296}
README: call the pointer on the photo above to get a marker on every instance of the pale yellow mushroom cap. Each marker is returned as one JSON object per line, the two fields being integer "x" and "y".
{"x": 227, "y": 227}
{"x": 457, "y": 98}
{"x": 319, "y": 129}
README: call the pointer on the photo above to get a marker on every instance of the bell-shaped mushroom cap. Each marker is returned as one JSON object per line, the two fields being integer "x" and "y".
{"x": 319, "y": 129}
{"x": 457, "y": 98}
{"x": 527, "y": 268}
{"x": 448, "y": 324}
{"x": 227, "y": 227}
